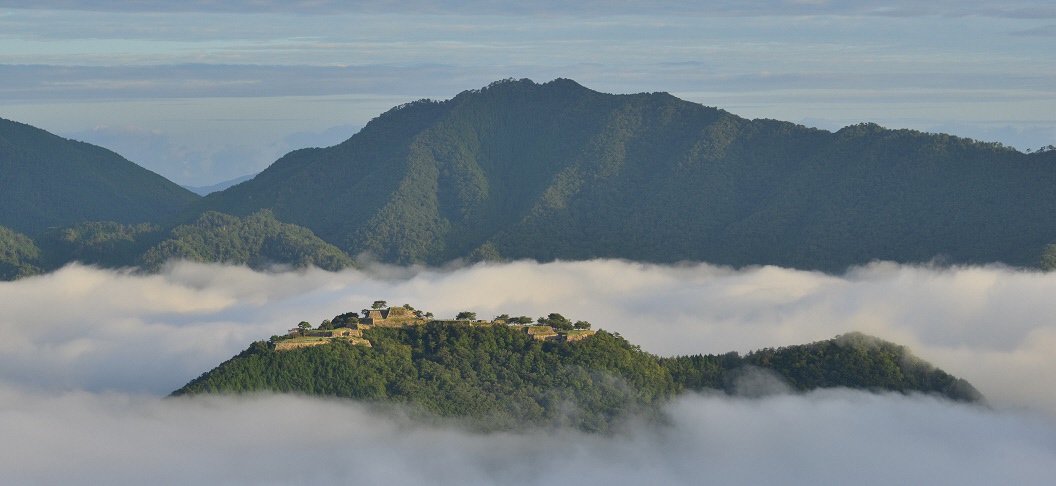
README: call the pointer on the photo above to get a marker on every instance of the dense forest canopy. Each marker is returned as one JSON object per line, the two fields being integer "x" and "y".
{"x": 557, "y": 171}
{"x": 48, "y": 181}
{"x": 19, "y": 256}
{"x": 498, "y": 376}
{"x": 257, "y": 240}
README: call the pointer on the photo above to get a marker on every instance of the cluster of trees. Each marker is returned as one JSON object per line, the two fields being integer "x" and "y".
{"x": 498, "y": 377}
{"x": 19, "y": 256}
{"x": 103, "y": 243}
{"x": 559, "y": 322}
{"x": 258, "y": 240}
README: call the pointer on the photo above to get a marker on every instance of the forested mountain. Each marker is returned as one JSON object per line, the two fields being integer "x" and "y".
{"x": 48, "y": 181}
{"x": 258, "y": 240}
{"x": 500, "y": 377}
{"x": 555, "y": 170}
{"x": 102, "y": 243}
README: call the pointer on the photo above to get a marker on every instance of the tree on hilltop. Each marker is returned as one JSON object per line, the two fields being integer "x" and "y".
{"x": 556, "y": 321}
{"x": 346, "y": 319}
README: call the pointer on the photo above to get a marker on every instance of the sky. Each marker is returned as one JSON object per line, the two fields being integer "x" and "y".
{"x": 89, "y": 354}
{"x": 206, "y": 91}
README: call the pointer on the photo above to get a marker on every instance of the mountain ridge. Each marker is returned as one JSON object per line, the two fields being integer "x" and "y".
{"x": 520, "y": 170}
{"x": 219, "y": 186}
{"x": 557, "y": 171}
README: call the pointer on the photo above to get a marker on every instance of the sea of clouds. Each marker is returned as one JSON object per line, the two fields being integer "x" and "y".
{"x": 87, "y": 355}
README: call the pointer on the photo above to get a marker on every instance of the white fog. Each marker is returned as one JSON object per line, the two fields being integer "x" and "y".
{"x": 89, "y": 354}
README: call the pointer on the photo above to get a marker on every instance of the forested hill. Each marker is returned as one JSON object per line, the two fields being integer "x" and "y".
{"x": 48, "y": 181}
{"x": 500, "y": 377}
{"x": 557, "y": 171}
{"x": 257, "y": 240}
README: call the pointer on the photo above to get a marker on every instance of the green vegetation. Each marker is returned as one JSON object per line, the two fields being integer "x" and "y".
{"x": 49, "y": 181}
{"x": 852, "y": 360}
{"x": 19, "y": 257}
{"x": 557, "y": 171}
{"x": 258, "y": 240}
{"x": 103, "y": 243}
{"x": 499, "y": 377}
{"x": 1048, "y": 258}
{"x": 520, "y": 170}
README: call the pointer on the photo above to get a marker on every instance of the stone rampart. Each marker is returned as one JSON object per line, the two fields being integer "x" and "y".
{"x": 288, "y": 345}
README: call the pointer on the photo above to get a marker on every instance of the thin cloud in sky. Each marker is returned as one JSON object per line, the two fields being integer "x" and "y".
{"x": 1043, "y": 31}
{"x": 901, "y": 64}
{"x": 1020, "y": 8}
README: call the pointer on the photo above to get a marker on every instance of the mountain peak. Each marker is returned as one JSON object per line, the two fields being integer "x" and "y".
{"x": 519, "y": 169}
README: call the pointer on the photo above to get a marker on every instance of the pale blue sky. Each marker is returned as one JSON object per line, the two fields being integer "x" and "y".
{"x": 204, "y": 91}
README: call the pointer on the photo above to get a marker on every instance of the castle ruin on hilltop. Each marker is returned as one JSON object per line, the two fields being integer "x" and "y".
{"x": 352, "y": 329}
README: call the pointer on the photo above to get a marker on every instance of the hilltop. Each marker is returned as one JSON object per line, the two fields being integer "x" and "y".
{"x": 557, "y": 171}
{"x": 504, "y": 373}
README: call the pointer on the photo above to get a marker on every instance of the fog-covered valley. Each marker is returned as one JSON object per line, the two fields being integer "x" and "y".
{"x": 88, "y": 355}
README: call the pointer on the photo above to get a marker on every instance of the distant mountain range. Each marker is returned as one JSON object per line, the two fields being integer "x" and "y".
{"x": 557, "y": 171}
{"x": 219, "y": 186}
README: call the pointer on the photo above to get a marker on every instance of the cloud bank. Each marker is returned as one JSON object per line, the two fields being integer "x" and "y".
{"x": 88, "y": 353}
{"x": 819, "y": 438}
{"x": 83, "y": 328}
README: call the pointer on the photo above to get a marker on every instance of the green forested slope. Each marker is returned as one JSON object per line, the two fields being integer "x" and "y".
{"x": 103, "y": 243}
{"x": 257, "y": 240}
{"x": 48, "y": 181}
{"x": 555, "y": 170}
{"x": 498, "y": 377}
{"x": 19, "y": 256}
